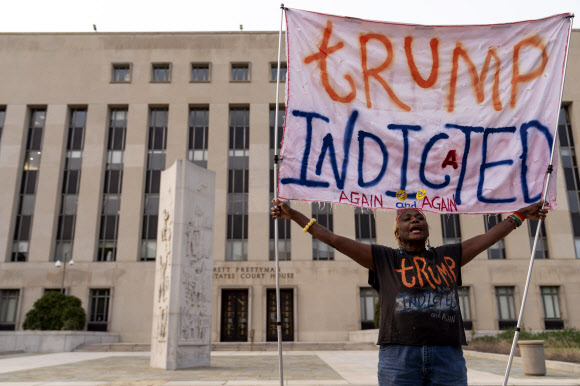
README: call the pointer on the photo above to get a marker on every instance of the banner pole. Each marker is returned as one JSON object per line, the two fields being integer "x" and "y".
{"x": 544, "y": 194}
{"x": 276, "y": 159}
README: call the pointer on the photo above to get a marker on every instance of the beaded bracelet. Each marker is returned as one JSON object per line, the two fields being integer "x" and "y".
{"x": 309, "y": 225}
{"x": 517, "y": 217}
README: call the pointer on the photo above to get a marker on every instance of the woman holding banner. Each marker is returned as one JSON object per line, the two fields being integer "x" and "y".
{"x": 421, "y": 331}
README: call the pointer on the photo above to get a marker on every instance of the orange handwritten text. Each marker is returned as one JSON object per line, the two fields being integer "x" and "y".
{"x": 323, "y": 52}
{"x": 476, "y": 80}
{"x": 374, "y": 72}
{"x": 420, "y": 274}
{"x": 425, "y": 83}
{"x": 517, "y": 78}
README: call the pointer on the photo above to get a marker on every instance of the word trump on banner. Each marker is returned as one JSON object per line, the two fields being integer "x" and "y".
{"x": 443, "y": 118}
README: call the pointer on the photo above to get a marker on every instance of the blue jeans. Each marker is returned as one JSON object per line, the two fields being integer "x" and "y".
{"x": 421, "y": 365}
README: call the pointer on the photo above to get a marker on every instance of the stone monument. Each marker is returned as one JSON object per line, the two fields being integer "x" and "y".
{"x": 183, "y": 268}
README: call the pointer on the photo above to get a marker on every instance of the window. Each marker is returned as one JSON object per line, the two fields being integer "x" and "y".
{"x": 157, "y": 145}
{"x": 27, "y": 197}
{"x": 238, "y": 178}
{"x": 283, "y": 225}
{"x": 121, "y": 73}
{"x": 111, "y": 205}
{"x": 240, "y": 72}
{"x": 364, "y": 226}
{"x": 274, "y": 71}
{"x": 542, "y": 244}
{"x": 570, "y": 166}
{"x": 71, "y": 177}
{"x": 200, "y": 72}
{"x": 161, "y": 72}
{"x": 506, "y": 315}
{"x": 99, "y": 300}
{"x": 198, "y": 135}
{"x": 497, "y": 250}
{"x": 551, "y": 307}
{"x": 451, "y": 229}
{"x": 464, "y": 306}
{"x": 2, "y": 118}
{"x": 323, "y": 214}
{"x": 8, "y": 308}
{"x": 368, "y": 300}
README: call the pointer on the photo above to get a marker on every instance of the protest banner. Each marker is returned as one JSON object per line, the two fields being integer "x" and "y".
{"x": 448, "y": 119}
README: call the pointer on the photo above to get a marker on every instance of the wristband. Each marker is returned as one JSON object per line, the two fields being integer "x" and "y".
{"x": 308, "y": 225}
{"x": 514, "y": 216}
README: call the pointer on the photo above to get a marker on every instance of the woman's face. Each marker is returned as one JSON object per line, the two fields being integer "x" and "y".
{"x": 412, "y": 226}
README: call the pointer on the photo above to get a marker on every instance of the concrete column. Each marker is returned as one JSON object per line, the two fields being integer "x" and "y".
{"x": 183, "y": 277}
{"x": 218, "y": 161}
{"x": 91, "y": 186}
{"x": 177, "y": 133}
{"x": 48, "y": 192}
{"x": 11, "y": 159}
{"x": 259, "y": 184}
{"x": 131, "y": 213}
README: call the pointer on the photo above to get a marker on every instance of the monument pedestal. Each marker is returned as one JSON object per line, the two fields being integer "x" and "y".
{"x": 183, "y": 278}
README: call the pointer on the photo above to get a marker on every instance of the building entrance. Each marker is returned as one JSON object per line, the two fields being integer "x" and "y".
{"x": 287, "y": 315}
{"x": 234, "y": 323}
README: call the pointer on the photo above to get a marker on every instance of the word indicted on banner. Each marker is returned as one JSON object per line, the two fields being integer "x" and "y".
{"x": 448, "y": 119}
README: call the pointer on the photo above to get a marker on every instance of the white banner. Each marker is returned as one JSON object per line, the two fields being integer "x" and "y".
{"x": 448, "y": 119}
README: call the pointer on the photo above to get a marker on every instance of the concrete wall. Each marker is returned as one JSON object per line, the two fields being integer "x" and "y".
{"x": 51, "y": 341}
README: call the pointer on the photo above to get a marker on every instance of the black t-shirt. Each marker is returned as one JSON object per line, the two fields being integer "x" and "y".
{"x": 418, "y": 295}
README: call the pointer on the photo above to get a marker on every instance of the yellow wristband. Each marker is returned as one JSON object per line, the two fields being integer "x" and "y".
{"x": 309, "y": 225}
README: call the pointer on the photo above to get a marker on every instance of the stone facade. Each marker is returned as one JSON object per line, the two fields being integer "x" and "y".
{"x": 59, "y": 72}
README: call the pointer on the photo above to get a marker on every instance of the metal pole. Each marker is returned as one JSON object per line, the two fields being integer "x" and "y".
{"x": 549, "y": 173}
{"x": 278, "y": 313}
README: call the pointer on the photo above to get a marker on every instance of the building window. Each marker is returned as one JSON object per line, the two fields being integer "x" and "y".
{"x": 198, "y": 135}
{"x": 464, "y": 306}
{"x": 111, "y": 205}
{"x": 497, "y": 250}
{"x": 274, "y": 71}
{"x": 27, "y": 197}
{"x": 121, "y": 73}
{"x": 283, "y": 225}
{"x": 238, "y": 175}
{"x": 8, "y": 309}
{"x": 570, "y": 166}
{"x": 240, "y": 72}
{"x": 542, "y": 244}
{"x": 323, "y": 215}
{"x": 506, "y": 314}
{"x": 364, "y": 226}
{"x": 368, "y": 300}
{"x": 157, "y": 145}
{"x": 200, "y": 72}
{"x": 450, "y": 228}
{"x": 551, "y": 307}
{"x": 99, "y": 302}
{"x": 161, "y": 72}
{"x": 71, "y": 178}
{"x": 2, "y": 118}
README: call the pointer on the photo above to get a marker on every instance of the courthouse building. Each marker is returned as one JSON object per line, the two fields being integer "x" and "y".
{"x": 89, "y": 120}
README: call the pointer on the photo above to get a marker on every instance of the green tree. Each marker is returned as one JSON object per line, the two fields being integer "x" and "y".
{"x": 56, "y": 311}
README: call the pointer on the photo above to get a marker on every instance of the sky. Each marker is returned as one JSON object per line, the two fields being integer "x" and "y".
{"x": 256, "y": 15}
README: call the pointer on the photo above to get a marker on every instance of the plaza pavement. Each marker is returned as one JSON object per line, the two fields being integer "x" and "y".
{"x": 248, "y": 369}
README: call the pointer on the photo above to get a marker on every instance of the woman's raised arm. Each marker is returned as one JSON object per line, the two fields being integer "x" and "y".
{"x": 478, "y": 244}
{"x": 359, "y": 252}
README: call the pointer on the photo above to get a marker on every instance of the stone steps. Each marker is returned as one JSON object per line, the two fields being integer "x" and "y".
{"x": 237, "y": 346}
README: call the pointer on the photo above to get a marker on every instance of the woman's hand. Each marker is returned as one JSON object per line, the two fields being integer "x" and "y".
{"x": 280, "y": 210}
{"x": 534, "y": 211}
